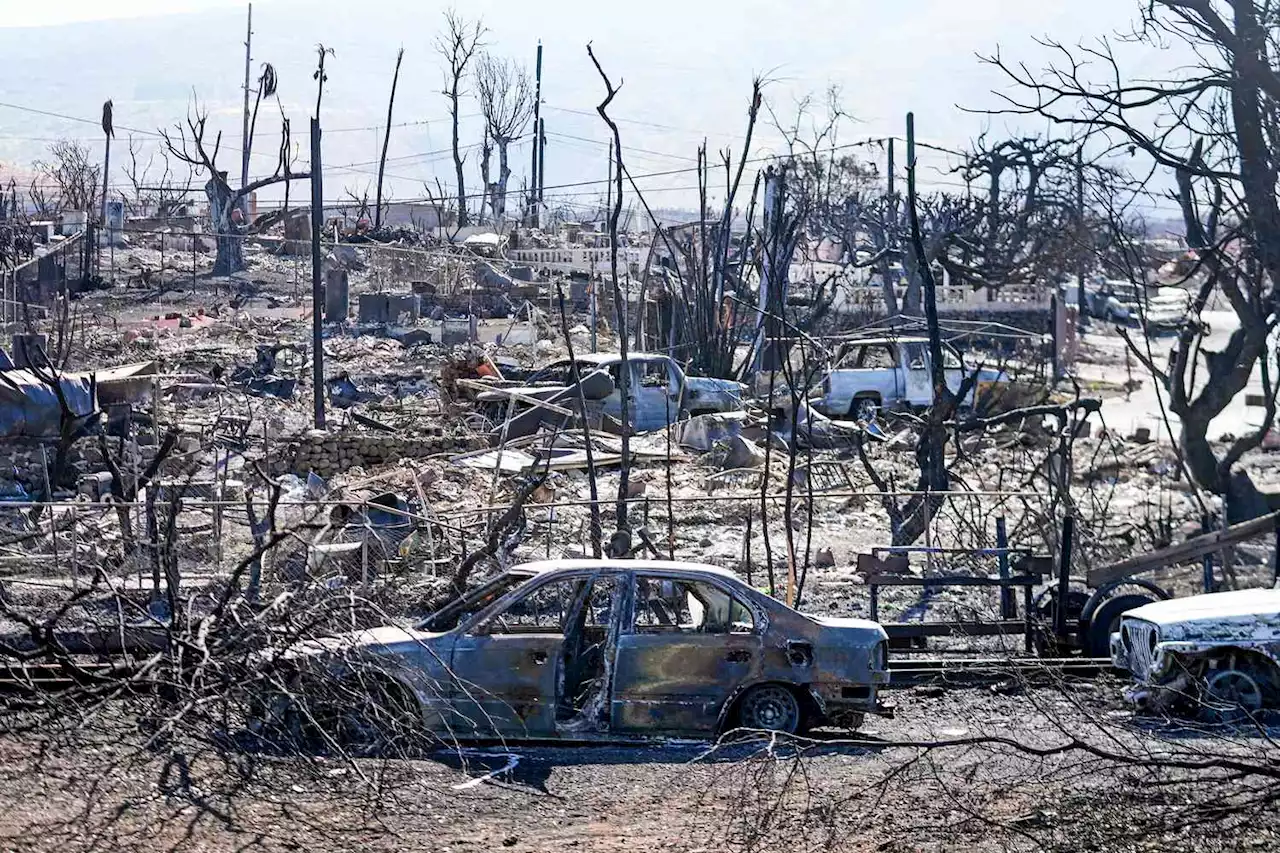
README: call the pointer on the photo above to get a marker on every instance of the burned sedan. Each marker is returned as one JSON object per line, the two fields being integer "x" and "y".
{"x": 589, "y": 649}
{"x": 1217, "y": 652}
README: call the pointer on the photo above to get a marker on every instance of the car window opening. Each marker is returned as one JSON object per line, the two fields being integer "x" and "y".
{"x": 688, "y": 607}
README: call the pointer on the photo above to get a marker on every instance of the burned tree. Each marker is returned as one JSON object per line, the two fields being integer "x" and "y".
{"x": 1214, "y": 127}
{"x": 457, "y": 47}
{"x": 506, "y": 101}
{"x": 158, "y": 189}
{"x": 67, "y": 180}
{"x": 191, "y": 146}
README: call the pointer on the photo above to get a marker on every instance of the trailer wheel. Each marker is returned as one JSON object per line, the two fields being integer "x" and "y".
{"x": 1106, "y": 620}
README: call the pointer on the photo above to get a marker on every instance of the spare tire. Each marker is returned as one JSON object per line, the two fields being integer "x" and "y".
{"x": 1106, "y": 620}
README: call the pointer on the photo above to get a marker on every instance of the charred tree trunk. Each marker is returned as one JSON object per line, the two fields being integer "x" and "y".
{"x": 504, "y": 175}
{"x": 463, "y": 221}
{"x": 230, "y": 257}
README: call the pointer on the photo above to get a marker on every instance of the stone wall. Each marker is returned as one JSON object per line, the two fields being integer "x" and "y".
{"x": 327, "y": 453}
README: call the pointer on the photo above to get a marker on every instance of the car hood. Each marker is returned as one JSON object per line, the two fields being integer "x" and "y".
{"x": 988, "y": 374}
{"x": 1245, "y": 612}
{"x": 705, "y": 383}
{"x": 385, "y": 638}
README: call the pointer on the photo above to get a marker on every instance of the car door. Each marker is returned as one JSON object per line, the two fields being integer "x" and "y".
{"x": 652, "y": 386}
{"x": 505, "y": 665}
{"x": 953, "y": 370}
{"x": 685, "y": 647}
{"x": 915, "y": 371}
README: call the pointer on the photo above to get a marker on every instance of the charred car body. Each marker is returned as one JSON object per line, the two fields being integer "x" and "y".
{"x": 658, "y": 390}
{"x": 1217, "y": 651}
{"x": 893, "y": 372}
{"x": 589, "y": 649}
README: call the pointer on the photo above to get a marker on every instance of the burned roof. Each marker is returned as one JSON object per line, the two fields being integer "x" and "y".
{"x": 614, "y": 357}
{"x": 669, "y": 566}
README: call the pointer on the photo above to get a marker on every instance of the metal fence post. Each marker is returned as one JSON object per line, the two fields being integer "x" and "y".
{"x": 1007, "y": 607}
{"x": 1064, "y": 576}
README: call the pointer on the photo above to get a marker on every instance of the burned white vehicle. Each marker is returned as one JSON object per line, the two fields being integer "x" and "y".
{"x": 1217, "y": 652}
{"x": 588, "y": 649}
{"x": 659, "y": 393}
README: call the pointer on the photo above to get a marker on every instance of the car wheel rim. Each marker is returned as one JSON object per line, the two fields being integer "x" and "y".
{"x": 772, "y": 708}
{"x": 1236, "y": 689}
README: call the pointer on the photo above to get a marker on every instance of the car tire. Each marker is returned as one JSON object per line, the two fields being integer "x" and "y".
{"x": 770, "y": 707}
{"x": 1106, "y": 620}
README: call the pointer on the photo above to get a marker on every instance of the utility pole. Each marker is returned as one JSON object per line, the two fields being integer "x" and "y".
{"x": 244, "y": 139}
{"x": 386, "y": 141}
{"x": 886, "y": 282}
{"x": 108, "y": 131}
{"x": 1081, "y": 302}
{"x": 542, "y": 160}
{"x": 537, "y": 137}
{"x": 317, "y": 286}
{"x": 891, "y": 171}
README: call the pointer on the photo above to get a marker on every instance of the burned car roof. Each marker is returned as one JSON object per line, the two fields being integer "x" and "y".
{"x": 578, "y": 565}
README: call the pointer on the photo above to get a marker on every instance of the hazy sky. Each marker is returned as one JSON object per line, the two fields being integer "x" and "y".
{"x": 686, "y": 69}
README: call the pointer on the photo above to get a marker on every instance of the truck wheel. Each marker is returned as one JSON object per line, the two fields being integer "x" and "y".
{"x": 863, "y": 408}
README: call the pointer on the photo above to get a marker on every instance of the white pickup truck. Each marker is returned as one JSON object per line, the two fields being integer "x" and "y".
{"x": 893, "y": 372}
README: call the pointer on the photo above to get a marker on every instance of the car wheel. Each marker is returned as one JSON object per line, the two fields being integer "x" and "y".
{"x": 1232, "y": 695}
{"x": 770, "y": 707}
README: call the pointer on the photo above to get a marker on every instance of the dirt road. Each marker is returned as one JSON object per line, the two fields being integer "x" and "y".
{"x": 105, "y": 793}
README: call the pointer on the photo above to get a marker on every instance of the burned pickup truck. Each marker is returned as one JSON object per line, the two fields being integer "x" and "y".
{"x": 658, "y": 393}
{"x": 1216, "y": 652}
{"x": 589, "y": 649}
{"x": 867, "y": 374}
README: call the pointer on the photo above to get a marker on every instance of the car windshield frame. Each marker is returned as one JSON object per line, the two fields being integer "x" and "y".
{"x": 478, "y": 600}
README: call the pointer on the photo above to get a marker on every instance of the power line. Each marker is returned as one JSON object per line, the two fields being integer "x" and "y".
{"x": 628, "y": 148}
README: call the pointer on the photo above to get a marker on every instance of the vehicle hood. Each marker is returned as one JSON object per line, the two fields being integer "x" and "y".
{"x": 720, "y": 386}
{"x": 385, "y": 639}
{"x": 1245, "y": 612}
